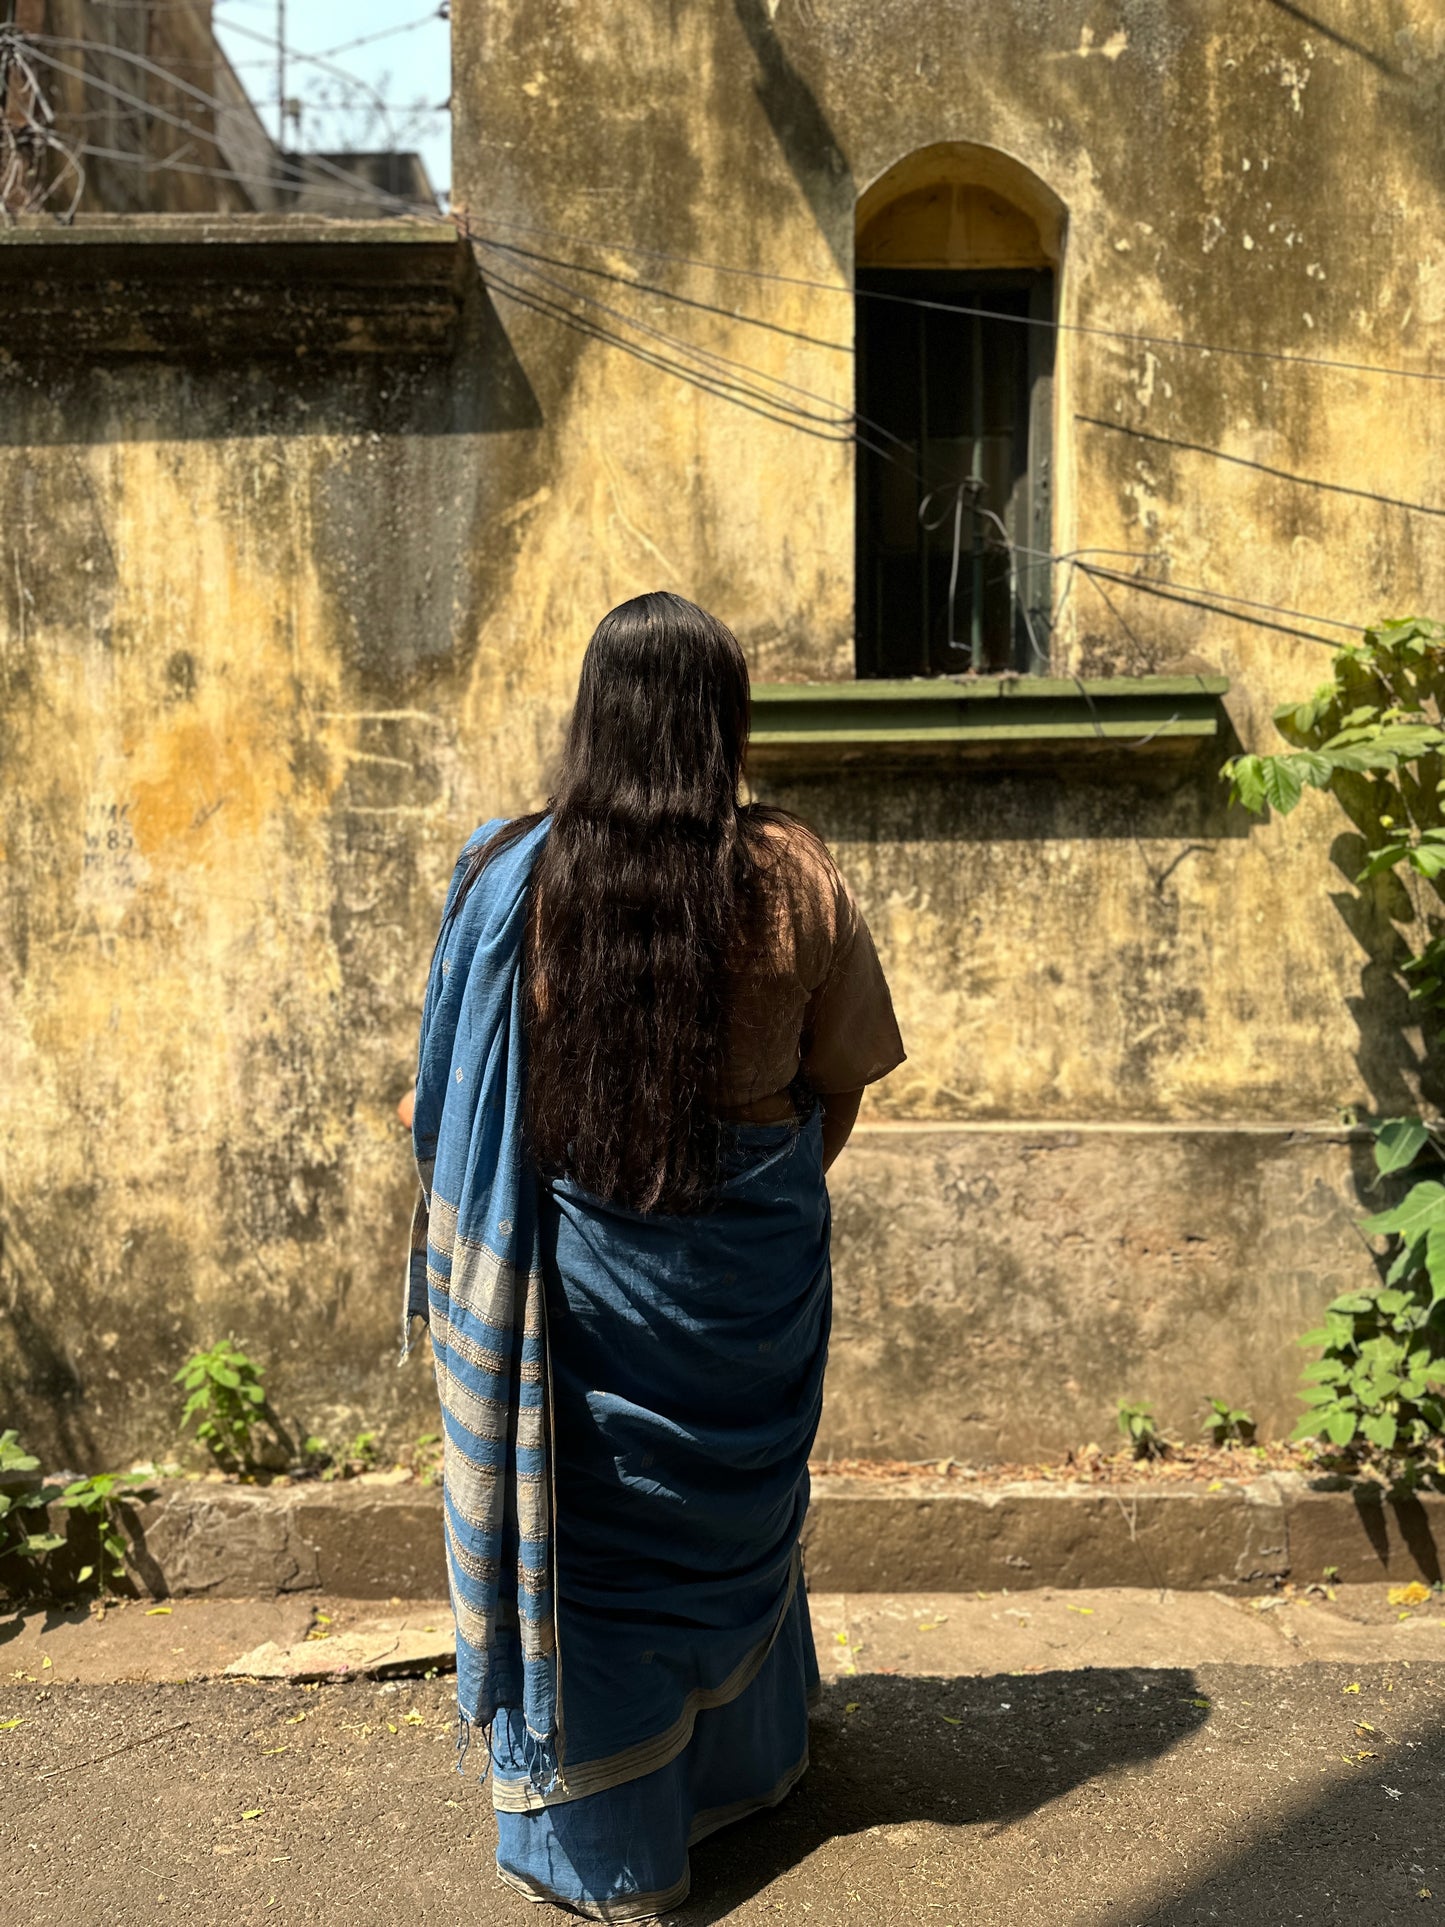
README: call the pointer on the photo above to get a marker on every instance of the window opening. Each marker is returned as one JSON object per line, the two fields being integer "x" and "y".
{"x": 954, "y": 511}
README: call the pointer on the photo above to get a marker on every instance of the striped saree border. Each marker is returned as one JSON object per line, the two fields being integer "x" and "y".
{"x": 625, "y": 1907}
{"x": 648, "y": 1906}
{"x": 647, "y": 1756}
{"x": 714, "y": 1819}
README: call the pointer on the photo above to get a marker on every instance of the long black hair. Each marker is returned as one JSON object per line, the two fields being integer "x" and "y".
{"x": 645, "y": 887}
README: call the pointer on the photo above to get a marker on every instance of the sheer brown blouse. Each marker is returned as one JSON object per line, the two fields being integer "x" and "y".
{"x": 808, "y": 994}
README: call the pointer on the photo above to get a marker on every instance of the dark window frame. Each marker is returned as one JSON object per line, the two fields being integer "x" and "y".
{"x": 907, "y": 634}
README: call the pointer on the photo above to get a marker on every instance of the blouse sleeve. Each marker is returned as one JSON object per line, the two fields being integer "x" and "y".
{"x": 850, "y": 1035}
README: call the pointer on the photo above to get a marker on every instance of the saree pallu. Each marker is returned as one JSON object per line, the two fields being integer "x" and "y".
{"x": 686, "y": 1359}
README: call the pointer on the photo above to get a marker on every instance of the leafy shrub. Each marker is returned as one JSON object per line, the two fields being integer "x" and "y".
{"x": 1137, "y": 1424}
{"x": 227, "y": 1402}
{"x": 1228, "y": 1425}
{"x": 19, "y": 1503}
{"x": 98, "y": 1498}
{"x": 1374, "y": 736}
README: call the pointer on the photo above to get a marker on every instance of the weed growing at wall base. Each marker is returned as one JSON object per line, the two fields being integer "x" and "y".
{"x": 26, "y": 1504}
{"x": 227, "y": 1403}
{"x": 1228, "y": 1425}
{"x": 1138, "y": 1425}
{"x": 1374, "y": 736}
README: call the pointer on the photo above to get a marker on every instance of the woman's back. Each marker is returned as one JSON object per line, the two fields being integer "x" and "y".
{"x": 808, "y": 1007}
{"x": 646, "y": 1032}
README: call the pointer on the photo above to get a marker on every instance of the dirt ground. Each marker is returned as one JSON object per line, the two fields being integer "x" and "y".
{"x": 1111, "y": 1782}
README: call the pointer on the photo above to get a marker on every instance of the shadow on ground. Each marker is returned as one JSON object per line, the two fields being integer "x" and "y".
{"x": 1369, "y": 1850}
{"x": 964, "y": 1752}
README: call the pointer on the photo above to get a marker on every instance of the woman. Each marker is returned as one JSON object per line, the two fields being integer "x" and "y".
{"x": 650, "y": 1016}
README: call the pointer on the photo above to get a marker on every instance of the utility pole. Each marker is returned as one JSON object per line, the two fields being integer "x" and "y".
{"x": 281, "y": 75}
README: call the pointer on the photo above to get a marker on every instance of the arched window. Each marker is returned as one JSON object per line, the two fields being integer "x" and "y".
{"x": 954, "y": 395}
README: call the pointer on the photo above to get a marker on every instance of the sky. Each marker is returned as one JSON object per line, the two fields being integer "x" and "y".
{"x": 388, "y": 93}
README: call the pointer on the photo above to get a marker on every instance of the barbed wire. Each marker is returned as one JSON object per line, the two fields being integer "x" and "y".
{"x": 443, "y": 12}
{"x": 80, "y": 44}
{"x": 28, "y": 132}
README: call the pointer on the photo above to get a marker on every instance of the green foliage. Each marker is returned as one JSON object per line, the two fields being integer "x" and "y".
{"x": 1228, "y": 1425}
{"x": 328, "y": 1463}
{"x": 1137, "y": 1424}
{"x": 1381, "y": 1379}
{"x": 20, "y": 1500}
{"x": 1374, "y": 736}
{"x": 227, "y": 1403}
{"x": 425, "y": 1458}
{"x": 99, "y": 1498}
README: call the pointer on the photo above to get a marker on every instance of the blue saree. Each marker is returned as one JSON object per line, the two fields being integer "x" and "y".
{"x": 629, "y": 1401}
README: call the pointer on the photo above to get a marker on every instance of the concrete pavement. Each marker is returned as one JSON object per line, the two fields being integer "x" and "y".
{"x": 1103, "y": 1759}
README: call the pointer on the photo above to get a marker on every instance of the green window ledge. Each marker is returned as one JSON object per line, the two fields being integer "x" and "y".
{"x": 992, "y": 719}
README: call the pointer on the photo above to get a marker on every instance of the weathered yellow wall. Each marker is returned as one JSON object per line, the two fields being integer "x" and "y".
{"x": 287, "y": 635}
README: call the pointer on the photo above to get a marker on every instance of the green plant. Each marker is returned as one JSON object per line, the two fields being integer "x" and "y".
{"x": 1137, "y": 1424}
{"x": 100, "y": 1498}
{"x": 227, "y": 1402}
{"x": 1228, "y": 1425}
{"x": 1374, "y": 736}
{"x": 320, "y": 1459}
{"x": 19, "y": 1498}
{"x": 425, "y": 1458}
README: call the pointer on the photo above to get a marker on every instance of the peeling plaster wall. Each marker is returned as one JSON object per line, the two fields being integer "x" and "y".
{"x": 275, "y": 640}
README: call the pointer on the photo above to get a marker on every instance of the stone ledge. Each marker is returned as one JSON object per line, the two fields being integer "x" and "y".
{"x": 862, "y": 1535}
{"x": 203, "y": 286}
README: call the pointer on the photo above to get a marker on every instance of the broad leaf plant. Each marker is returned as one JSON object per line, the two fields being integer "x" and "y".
{"x": 1374, "y": 735}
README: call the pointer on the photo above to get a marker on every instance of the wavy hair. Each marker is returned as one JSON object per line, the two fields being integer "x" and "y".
{"x": 646, "y": 885}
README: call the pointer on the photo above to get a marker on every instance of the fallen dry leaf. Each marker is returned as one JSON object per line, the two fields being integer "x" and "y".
{"x": 1412, "y": 1595}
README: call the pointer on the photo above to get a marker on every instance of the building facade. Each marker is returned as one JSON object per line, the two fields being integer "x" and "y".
{"x": 1037, "y": 391}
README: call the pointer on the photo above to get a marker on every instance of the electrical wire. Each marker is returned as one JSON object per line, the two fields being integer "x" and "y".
{"x": 442, "y": 12}
{"x": 1135, "y": 337}
{"x": 951, "y": 307}
{"x": 751, "y": 390}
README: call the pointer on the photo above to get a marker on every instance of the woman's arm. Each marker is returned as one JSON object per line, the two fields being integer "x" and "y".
{"x": 840, "y": 1114}
{"x": 407, "y": 1105}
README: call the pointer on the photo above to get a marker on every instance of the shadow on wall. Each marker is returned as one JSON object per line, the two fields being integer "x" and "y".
{"x": 1103, "y": 800}
{"x": 1019, "y": 1742}
{"x": 817, "y": 162}
{"x": 34, "y": 1370}
{"x": 481, "y": 388}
